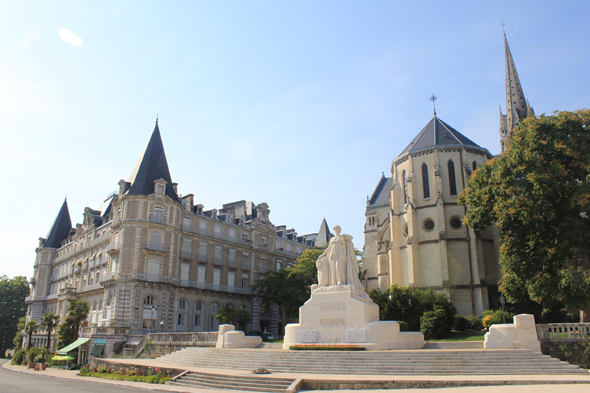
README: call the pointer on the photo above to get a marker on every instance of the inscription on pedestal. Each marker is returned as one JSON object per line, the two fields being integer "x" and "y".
{"x": 307, "y": 336}
{"x": 356, "y": 335}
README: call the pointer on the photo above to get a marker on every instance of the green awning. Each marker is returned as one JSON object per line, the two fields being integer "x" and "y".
{"x": 97, "y": 350}
{"x": 72, "y": 346}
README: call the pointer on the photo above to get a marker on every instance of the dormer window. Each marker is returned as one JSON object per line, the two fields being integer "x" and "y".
{"x": 160, "y": 189}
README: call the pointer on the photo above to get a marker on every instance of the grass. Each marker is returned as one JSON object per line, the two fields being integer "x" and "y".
{"x": 462, "y": 336}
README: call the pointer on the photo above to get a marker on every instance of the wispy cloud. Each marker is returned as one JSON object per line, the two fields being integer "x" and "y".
{"x": 29, "y": 38}
{"x": 68, "y": 36}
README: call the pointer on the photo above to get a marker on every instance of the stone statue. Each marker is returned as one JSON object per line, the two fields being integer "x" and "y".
{"x": 338, "y": 267}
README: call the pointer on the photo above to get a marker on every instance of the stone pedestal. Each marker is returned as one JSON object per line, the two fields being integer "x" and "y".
{"x": 522, "y": 334}
{"x": 333, "y": 316}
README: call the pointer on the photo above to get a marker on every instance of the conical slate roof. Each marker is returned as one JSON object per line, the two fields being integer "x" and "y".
{"x": 381, "y": 194}
{"x": 323, "y": 237}
{"x": 60, "y": 229}
{"x": 437, "y": 133}
{"x": 152, "y": 165}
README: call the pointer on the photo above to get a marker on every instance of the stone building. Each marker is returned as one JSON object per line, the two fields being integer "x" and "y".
{"x": 152, "y": 260}
{"x": 413, "y": 231}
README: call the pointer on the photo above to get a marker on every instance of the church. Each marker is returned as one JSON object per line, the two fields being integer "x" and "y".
{"x": 414, "y": 231}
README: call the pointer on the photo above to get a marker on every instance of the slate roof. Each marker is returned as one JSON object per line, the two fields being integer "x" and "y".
{"x": 381, "y": 194}
{"x": 152, "y": 165}
{"x": 60, "y": 230}
{"x": 437, "y": 133}
{"x": 323, "y": 236}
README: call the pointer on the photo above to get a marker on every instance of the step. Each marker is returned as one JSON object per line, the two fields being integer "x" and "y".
{"x": 225, "y": 387}
{"x": 217, "y": 381}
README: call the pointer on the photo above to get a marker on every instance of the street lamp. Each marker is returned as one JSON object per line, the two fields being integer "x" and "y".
{"x": 503, "y": 302}
{"x": 152, "y": 320}
{"x": 162, "y": 326}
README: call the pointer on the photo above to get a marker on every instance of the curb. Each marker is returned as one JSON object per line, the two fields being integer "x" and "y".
{"x": 100, "y": 381}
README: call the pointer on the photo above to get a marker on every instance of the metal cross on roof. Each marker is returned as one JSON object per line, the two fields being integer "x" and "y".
{"x": 503, "y": 24}
{"x": 433, "y": 98}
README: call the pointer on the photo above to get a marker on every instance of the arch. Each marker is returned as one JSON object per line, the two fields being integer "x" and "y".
{"x": 474, "y": 166}
{"x": 425, "y": 181}
{"x": 182, "y": 305}
{"x": 452, "y": 177}
{"x": 199, "y": 307}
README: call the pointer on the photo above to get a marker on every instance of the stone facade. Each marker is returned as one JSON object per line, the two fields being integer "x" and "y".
{"x": 414, "y": 233}
{"x": 152, "y": 260}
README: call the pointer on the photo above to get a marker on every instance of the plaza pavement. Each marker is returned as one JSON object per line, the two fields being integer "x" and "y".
{"x": 530, "y": 383}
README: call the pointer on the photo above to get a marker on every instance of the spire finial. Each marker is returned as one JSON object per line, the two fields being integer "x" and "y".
{"x": 157, "y": 117}
{"x": 433, "y": 98}
{"x": 503, "y": 24}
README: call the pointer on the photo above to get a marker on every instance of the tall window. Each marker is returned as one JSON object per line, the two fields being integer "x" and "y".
{"x": 404, "y": 187}
{"x": 425, "y": 183}
{"x": 474, "y": 166}
{"x": 452, "y": 180}
{"x": 213, "y": 323}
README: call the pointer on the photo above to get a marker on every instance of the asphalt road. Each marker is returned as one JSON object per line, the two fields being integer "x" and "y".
{"x": 15, "y": 382}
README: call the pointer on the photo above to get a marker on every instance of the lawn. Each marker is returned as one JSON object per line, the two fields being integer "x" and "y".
{"x": 463, "y": 336}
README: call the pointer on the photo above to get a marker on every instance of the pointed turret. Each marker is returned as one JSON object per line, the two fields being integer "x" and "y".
{"x": 151, "y": 166}
{"x": 60, "y": 230}
{"x": 517, "y": 107}
{"x": 324, "y": 235}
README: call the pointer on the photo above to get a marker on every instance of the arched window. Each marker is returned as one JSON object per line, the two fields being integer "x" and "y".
{"x": 149, "y": 301}
{"x": 474, "y": 166}
{"x": 425, "y": 183}
{"x": 452, "y": 180}
{"x": 404, "y": 187}
{"x": 182, "y": 304}
{"x": 199, "y": 307}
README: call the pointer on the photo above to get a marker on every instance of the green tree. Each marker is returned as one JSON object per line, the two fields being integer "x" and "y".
{"x": 68, "y": 331}
{"x": 538, "y": 193}
{"x": 12, "y": 307}
{"x": 289, "y": 288}
{"x": 50, "y": 321}
{"x": 236, "y": 317}
{"x": 30, "y": 329}
{"x": 17, "y": 341}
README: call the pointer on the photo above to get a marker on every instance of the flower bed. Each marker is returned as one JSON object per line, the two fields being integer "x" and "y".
{"x": 132, "y": 375}
{"x": 322, "y": 347}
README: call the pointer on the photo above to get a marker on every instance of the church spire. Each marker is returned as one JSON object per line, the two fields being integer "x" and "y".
{"x": 151, "y": 166}
{"x": 517, "y": 107}
{"x": 60, "y": 230}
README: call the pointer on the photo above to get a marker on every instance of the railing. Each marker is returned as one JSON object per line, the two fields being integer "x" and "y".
{"x": 140, "y": 345}
{"x": 563, "y": 331}
{"x": 288, "y": 253}
{"x": 184, "y": 338}
{"x": 215, "y": 235}
{"x": 90, "y": 287}
{"x": 106, "y": 277}
{"x": 112, "y": 247}
{"x": 264, "y": 246}
{"x": 157, "y": 219}
{"x": 232, "y": 263}
{"x": 134, "y": 338}
{"x": 155, "y": 247}
{"x": 213, "y": 287}
{"x": 187, "y": 254}
{"x": 218, "y": 260}
{"x": 106, "y": 330}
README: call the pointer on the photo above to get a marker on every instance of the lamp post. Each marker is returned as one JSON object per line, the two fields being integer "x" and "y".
{"x": 503, "y": 302}
{"x": 152, "y": 320}
{"x": 162, "y": 326}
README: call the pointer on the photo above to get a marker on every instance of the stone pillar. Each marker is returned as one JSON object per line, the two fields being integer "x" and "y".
{"x": 256, "y": 311}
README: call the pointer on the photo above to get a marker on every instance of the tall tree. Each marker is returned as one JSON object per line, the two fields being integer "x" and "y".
{"x": 12, "y": 307}
{"x": 289, "y": 288}
{"x": 68, "y": 331}
{"x": 538, "y": 193}
{"x": 30, "y": 329}
{"x": 50, "y": 321}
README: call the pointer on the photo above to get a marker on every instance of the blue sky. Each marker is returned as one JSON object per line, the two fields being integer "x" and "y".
{"x": 298, "y": 104}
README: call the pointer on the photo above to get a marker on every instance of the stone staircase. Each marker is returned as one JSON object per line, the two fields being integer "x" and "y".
{"x": 226, "y": 382}
{"x": 418, "y": 362}
{"x": 454, "y": 345}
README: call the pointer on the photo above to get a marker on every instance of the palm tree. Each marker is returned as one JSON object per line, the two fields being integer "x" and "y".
{"x": 30, "y": 328}
{"x": 50, "y": 320}
{"x": 78, "y": 310}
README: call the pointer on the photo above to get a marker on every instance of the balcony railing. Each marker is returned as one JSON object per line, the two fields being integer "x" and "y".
{"x": 186, "y": 254}
{"x": 155, "y": 247}
{"x": 288, "y": 253}
{"x": 157, "y": 219}
{"x": 106, "y": 330}
{"x": 264, "y": 246}
{"x": 213, "y": 287}
{"x": 216, "y": 235}
{"x": 232, "y": 263}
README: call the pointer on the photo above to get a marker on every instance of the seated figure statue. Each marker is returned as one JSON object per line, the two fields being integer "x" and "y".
{"x": 337, "y": 267}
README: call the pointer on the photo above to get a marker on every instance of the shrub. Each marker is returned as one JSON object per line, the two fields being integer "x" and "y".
{"x": 475, "y": 323}
{"x": 494, "y": 317}
{"x": 435, "y": 324}
{"x": 18, "y": 357}
{"x": 577, "y": 353}
{"x": 102, "y": 370}
{"x": 462, "y": 324}
{"x": 164, "y": 379}
{"x": 152, "y": 379}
